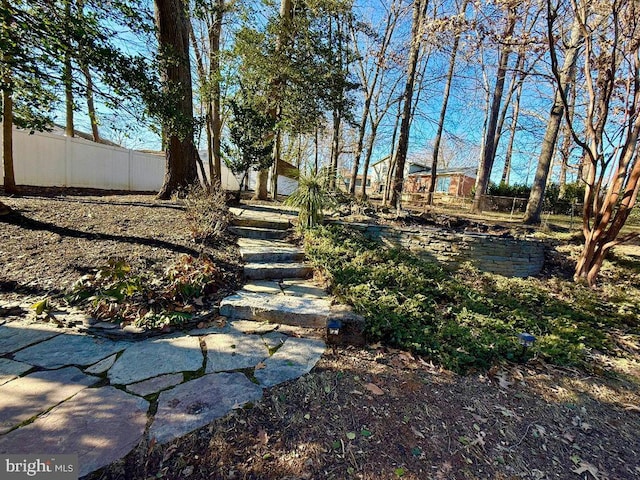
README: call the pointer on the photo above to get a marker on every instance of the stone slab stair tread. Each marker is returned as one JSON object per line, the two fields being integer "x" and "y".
{"x": 287, "y": 310}
{"x": 281, "y": 256}
{"x": 273, "y": 209}
{"x": 271, "y": 270}
{"x": 256, "y": 222}
{"x": 256, "y": 250}
{"x": 261, "y": 233}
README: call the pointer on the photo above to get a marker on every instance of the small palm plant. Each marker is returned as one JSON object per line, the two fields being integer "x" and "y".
{"x": 311, "y": 197}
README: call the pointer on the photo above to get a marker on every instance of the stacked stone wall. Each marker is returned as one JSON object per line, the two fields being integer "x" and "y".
{"x": 508, "y": 256}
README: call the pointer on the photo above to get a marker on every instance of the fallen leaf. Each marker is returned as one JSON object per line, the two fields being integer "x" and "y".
{"x": 416, "y": 432}
{"x": 480, "y": 419}
{"x": 263, "y": 438}
{"x": 407, "y": 358}
{"x": 375, "y": 346}
{"x": 507, "y": 413}
{"x": 586, "y": 467}
{"x": 503, "y": 379}
{"x": 373, "y": 388}
{"x": 260, "y": 366}
{"x": 632, "y": 408}
{"x": 356, "y": 392}
{"x": 351, "y": 435}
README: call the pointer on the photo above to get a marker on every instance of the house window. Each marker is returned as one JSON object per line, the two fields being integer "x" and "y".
{"x": 442, "y": 184}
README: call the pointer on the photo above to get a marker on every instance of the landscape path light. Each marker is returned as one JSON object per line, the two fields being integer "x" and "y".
{"x": 526, "y": 340}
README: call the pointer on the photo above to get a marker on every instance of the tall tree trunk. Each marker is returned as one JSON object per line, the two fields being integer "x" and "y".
{"x": 567, "y": 141}
{"x": 7, "y": 139}
{"x": 506, "y": 171}
{"x": 9, "y": 180}
{"x": 91, "y": 109}
{"x": 443, "y": 112}
{"x": 367, "y": 158}
{"x": 486, "y": 162}
{"x": 67, "y": 74}
{"x": 335, "y": 149}
{"x": 419, "y": 8}
{"x": 515, "y": 83}
{"x": 359, "y": 146}
{"x": 173, "y": 38}
{"x": 315, "y": 152}
{"x": 286, "y": 15}
{"x": 388, "y": 186}
{"x": 536, "y": 197}
{"x": 215, "y": 34}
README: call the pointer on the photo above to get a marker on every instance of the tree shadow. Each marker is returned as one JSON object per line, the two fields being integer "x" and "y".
{"x": 19, "y": 220}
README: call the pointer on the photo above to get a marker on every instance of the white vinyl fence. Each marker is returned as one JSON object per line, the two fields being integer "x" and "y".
{"x": 52, "y": 160}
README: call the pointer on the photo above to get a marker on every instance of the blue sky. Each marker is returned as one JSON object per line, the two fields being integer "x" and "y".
{"x": 465, "y": 116}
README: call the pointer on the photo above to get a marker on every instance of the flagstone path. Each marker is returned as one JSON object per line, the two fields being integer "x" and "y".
{"x": 64, "y": 392}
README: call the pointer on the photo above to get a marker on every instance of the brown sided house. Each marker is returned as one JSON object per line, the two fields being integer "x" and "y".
{"x": 456, "y": 182}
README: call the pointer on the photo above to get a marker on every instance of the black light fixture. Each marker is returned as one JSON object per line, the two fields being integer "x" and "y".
{"x": 526, "y": 340}
{"x": 333, "y": 328}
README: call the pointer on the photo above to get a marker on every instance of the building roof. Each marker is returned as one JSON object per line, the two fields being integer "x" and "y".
{"x": 466, "y": 171}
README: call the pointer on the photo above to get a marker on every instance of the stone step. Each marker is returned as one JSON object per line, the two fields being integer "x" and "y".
{"x": 272, "y": 270}
{"x": 259, "y": 233}
{"x": 256, "y": 222}
{"x": 275, "y": 209}
{"x": 283, "y": 309}
{"x": 255, "y": 250}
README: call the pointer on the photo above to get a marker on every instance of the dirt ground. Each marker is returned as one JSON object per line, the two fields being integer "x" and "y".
{"x": 49, "y": 242}
{"x": 379, "y": 414}
{"x": 362, "y": 413}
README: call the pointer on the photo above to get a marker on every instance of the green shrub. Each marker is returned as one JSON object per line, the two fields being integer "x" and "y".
{"x": 464, "y": 319}
{"x": 505, "y": 190}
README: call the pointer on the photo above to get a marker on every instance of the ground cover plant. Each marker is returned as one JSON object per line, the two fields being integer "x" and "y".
{"x": 465, "y": 319}
{"x": 117, "y": 294}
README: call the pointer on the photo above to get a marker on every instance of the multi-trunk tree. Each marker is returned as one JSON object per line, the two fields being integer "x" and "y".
{"x": 610, "y": 127}
{"x": 419, "y": 12}
{"x": 489, "y": 151}
{"x": 536, "y": 197}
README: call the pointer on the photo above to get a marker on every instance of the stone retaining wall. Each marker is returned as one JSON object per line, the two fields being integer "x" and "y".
{"x": 511, "y": 257}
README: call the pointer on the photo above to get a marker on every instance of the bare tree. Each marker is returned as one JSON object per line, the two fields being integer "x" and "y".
{"x": 419, "y": 11}
{"x": 486, "y": 162}
{"x": 371, "y": 68}
{"x": 67, "y": 73}
{"x": 611, "y": 64}
{"x": 209, "y": 77}
{"x": 445, "y": 102}
{"x": 536, "y": 197}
